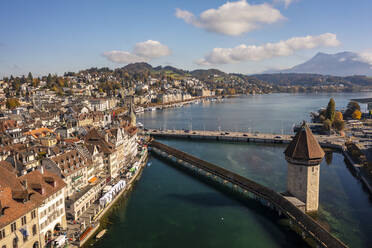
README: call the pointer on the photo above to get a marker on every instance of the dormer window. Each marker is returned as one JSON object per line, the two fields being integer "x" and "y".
{"x": 51, "y": 181}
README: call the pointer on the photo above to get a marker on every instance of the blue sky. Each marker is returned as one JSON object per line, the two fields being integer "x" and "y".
{"x": 69, "y": 35}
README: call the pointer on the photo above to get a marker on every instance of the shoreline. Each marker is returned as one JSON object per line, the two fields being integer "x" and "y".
{"x": 124, "y": 192}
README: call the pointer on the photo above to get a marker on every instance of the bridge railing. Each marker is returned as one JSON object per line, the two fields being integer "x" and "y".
{"x": 280, "y": 202}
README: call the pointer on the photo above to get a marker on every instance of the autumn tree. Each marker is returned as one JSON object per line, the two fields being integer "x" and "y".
{"x": 356, "y": 115}
{"x": 339, "y": 116}
{"x": 350, "y": 109}
{"x": 12, "y": 103}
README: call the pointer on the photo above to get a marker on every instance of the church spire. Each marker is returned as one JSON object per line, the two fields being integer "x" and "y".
{"x": 132, "y": 114}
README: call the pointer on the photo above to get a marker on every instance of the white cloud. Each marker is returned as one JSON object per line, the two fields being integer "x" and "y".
{"x": 151, "y": 49}
{"x": 142, "y": 52}
{"x": 285, "y": 2}
{"x": 233, "y": 18}
{"x": 365, "y": 57}
{"x": 268, "y": 50}
{"x": 123, "y": 57}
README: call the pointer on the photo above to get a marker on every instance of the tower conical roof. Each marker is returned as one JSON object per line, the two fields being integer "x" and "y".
{"x": 304, "y": 148}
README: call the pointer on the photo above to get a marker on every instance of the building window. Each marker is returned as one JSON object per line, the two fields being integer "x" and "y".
{"x": 24, "y": 220}
{"x": 13, "y": 227}
{"x": 2, "y": 234}
{"x": 33, "y": 214}
{"x": 4, "y": 246}
{"x": 15, "y": 243}
{"x": 34, "y": 230}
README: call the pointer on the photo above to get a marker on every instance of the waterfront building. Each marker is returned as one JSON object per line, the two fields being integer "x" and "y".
{"x": 94, "y": 138}
{"x": 72, "y": 167}
{"x": 18, "y": 212}
{"x": 32, "y": 207}
{"x": 304, "y": 155}
{"x": 49, "y": 189}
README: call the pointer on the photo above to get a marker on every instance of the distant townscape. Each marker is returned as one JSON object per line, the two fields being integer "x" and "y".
{"x": 162, "y": 85}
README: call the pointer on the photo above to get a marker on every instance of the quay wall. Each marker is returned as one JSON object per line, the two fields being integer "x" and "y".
{"x": 128, "y": 186}
{"x": 322, "y": 237}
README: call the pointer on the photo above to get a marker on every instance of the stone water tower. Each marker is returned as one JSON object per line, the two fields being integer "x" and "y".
{"x": 304, "y": 155}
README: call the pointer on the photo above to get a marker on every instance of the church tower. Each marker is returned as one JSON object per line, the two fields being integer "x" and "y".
{"x": 132, "y": 114}
{"x": 304, "y": 155}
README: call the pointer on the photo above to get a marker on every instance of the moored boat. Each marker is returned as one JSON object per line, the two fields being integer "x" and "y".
{"x": 100, "y": 234}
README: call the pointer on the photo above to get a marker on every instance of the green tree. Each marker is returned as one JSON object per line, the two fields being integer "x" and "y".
{"x": 49, "y": 79}
{"x": 339, "y": 125}
{"x": 29, "y": 77}
{"x": 331, "y": 110}
{"x": 12, "y": 103}
{"x": 327, "y": 124}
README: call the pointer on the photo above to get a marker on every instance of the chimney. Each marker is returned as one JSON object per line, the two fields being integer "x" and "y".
{"x": 106, "y": 137}
{"x": 42, "y": 169}
{"x": 25, "y": 185}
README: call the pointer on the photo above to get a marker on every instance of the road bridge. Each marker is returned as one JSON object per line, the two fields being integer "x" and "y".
{"x": 332, "y": 141}
{"x": 276, "y": 201}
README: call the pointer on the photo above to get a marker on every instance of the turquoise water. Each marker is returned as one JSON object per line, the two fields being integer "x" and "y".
{"x": 169, "y": 208}
{"x": 345, "y": 206}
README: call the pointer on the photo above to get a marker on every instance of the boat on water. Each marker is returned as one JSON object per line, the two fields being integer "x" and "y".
{"x": 101, "y": 233}
{"x": 139, "y": 110}
{"x": 139, "y": 124}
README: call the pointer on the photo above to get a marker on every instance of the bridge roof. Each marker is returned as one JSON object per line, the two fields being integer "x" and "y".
{"x": 362, "y": 100}
{"x": 304, "y": 146}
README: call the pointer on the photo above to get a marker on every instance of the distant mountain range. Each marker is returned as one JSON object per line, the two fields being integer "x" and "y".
{"x": 323, "y": 69}
{"x": 339, "y": 64}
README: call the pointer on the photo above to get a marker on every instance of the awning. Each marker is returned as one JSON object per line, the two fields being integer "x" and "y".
{"x": 76, "y": 178}
{"x": 92, "y": 180}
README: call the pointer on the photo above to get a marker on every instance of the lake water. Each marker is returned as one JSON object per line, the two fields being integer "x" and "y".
{"x": 169, "y": 208}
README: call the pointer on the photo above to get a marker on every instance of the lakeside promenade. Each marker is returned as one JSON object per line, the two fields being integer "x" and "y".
{"x": 97, "y": 212}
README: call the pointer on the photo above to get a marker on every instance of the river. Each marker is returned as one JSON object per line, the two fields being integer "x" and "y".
{"x": 169, "y": 208}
